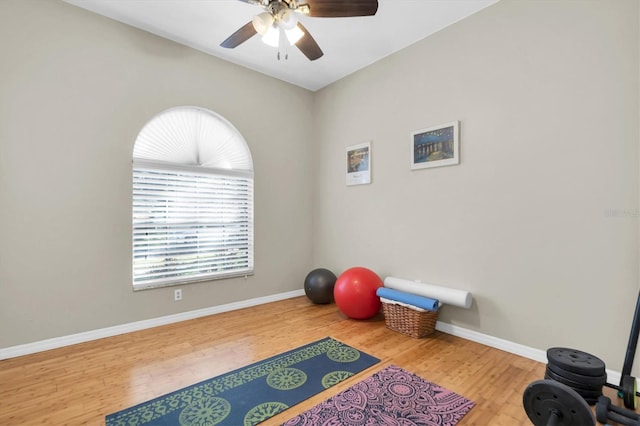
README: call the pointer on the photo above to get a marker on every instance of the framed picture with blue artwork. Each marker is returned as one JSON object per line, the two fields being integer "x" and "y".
{"x": 435, "y": 146}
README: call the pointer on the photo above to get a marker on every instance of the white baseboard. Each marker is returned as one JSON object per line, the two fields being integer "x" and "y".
{"x": 505, "y": 345}
{"x": 58, "y": 342}
{"x": 508, "y": 346}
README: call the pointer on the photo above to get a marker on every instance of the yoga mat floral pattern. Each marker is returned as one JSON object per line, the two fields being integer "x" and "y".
{"x": 252, "y": 394}
{"x": 392, "y": 396}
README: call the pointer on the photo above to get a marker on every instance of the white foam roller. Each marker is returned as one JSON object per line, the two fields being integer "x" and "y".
{"x": 445, "y": 295}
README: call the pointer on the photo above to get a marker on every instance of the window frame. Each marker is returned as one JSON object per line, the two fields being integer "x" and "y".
{"x": 245, "y": 212}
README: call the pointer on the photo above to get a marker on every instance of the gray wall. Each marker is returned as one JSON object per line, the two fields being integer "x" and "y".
{"x": 75, "y": 89}
{"x": 540, "y": 219}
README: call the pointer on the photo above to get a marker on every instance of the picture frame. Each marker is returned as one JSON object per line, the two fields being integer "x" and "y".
{"x": 436, "y": 146}
{"x": 358, "y": 164}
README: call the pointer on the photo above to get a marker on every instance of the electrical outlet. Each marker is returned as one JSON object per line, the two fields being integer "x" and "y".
{"x": 177, "y": 294}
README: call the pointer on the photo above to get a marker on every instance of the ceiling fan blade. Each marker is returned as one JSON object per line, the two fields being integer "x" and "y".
{"x": 308, "y": 45}
{"x": 243, "y": 34}
{"x": 341, "y": 8}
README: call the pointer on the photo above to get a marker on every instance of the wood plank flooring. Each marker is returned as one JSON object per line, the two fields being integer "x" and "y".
{"x": 80, "y": 384}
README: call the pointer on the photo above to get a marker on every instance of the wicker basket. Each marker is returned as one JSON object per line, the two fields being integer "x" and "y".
{"x": 409, "y": 321}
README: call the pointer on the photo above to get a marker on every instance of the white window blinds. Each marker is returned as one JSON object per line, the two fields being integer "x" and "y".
{"x": 191, "y": 222}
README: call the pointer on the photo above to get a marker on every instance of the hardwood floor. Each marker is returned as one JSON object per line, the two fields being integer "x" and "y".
{"x": 81, "y": 384}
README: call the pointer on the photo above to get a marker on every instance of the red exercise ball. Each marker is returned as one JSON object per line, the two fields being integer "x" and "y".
{"x": 355, "y": 293}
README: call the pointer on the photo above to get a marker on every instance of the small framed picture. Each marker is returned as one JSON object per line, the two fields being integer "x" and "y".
{"x": 435, "y": 146}
{"x": 359, "y": 164}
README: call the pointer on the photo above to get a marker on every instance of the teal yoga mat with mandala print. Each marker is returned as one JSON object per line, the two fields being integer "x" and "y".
{"x": 252, "y": 394}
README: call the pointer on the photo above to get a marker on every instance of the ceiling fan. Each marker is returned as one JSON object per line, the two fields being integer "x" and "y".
{"x": 279, "y": 22}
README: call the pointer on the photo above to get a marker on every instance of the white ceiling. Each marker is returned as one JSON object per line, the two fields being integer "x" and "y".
{"x": 349, "y": 44}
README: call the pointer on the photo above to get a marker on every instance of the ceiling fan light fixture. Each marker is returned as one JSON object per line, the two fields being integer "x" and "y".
{"x": 287, "y": 19}
{"x": 303, "y": 8}
{"x": 271, "y": 37}
{"x": 263, "y": 22}
{"x": 294, "y": 34}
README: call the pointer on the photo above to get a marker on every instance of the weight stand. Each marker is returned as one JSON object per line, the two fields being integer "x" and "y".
{"x": 631, "y": 347}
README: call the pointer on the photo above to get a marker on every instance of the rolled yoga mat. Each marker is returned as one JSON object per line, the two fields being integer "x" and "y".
{"x": 408, "y": 298}
{"x": 445, "y": 295}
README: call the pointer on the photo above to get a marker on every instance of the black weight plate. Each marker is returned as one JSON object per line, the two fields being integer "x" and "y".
{"x": 576, "y": 385}
{"x": 547, "y": 376}
{"x": 589, "y": 394}
{"x": 576, "y": 361}
{"x": 544, "y": 397}
{"x": 629, "y": 388}
{"x": 587, "y": 380}
{"x": 591, "y": 401}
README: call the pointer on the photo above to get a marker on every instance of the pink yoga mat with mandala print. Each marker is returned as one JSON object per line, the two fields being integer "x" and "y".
{"x": 392, "y": 396}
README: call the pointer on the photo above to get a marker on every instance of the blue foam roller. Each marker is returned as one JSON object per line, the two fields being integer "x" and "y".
{"x": 408, "y": 298}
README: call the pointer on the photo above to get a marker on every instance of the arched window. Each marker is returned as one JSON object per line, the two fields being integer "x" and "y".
{"x": 192, "y": 200}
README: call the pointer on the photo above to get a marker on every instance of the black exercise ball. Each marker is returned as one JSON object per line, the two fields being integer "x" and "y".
{"x": 318, "y": 286}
